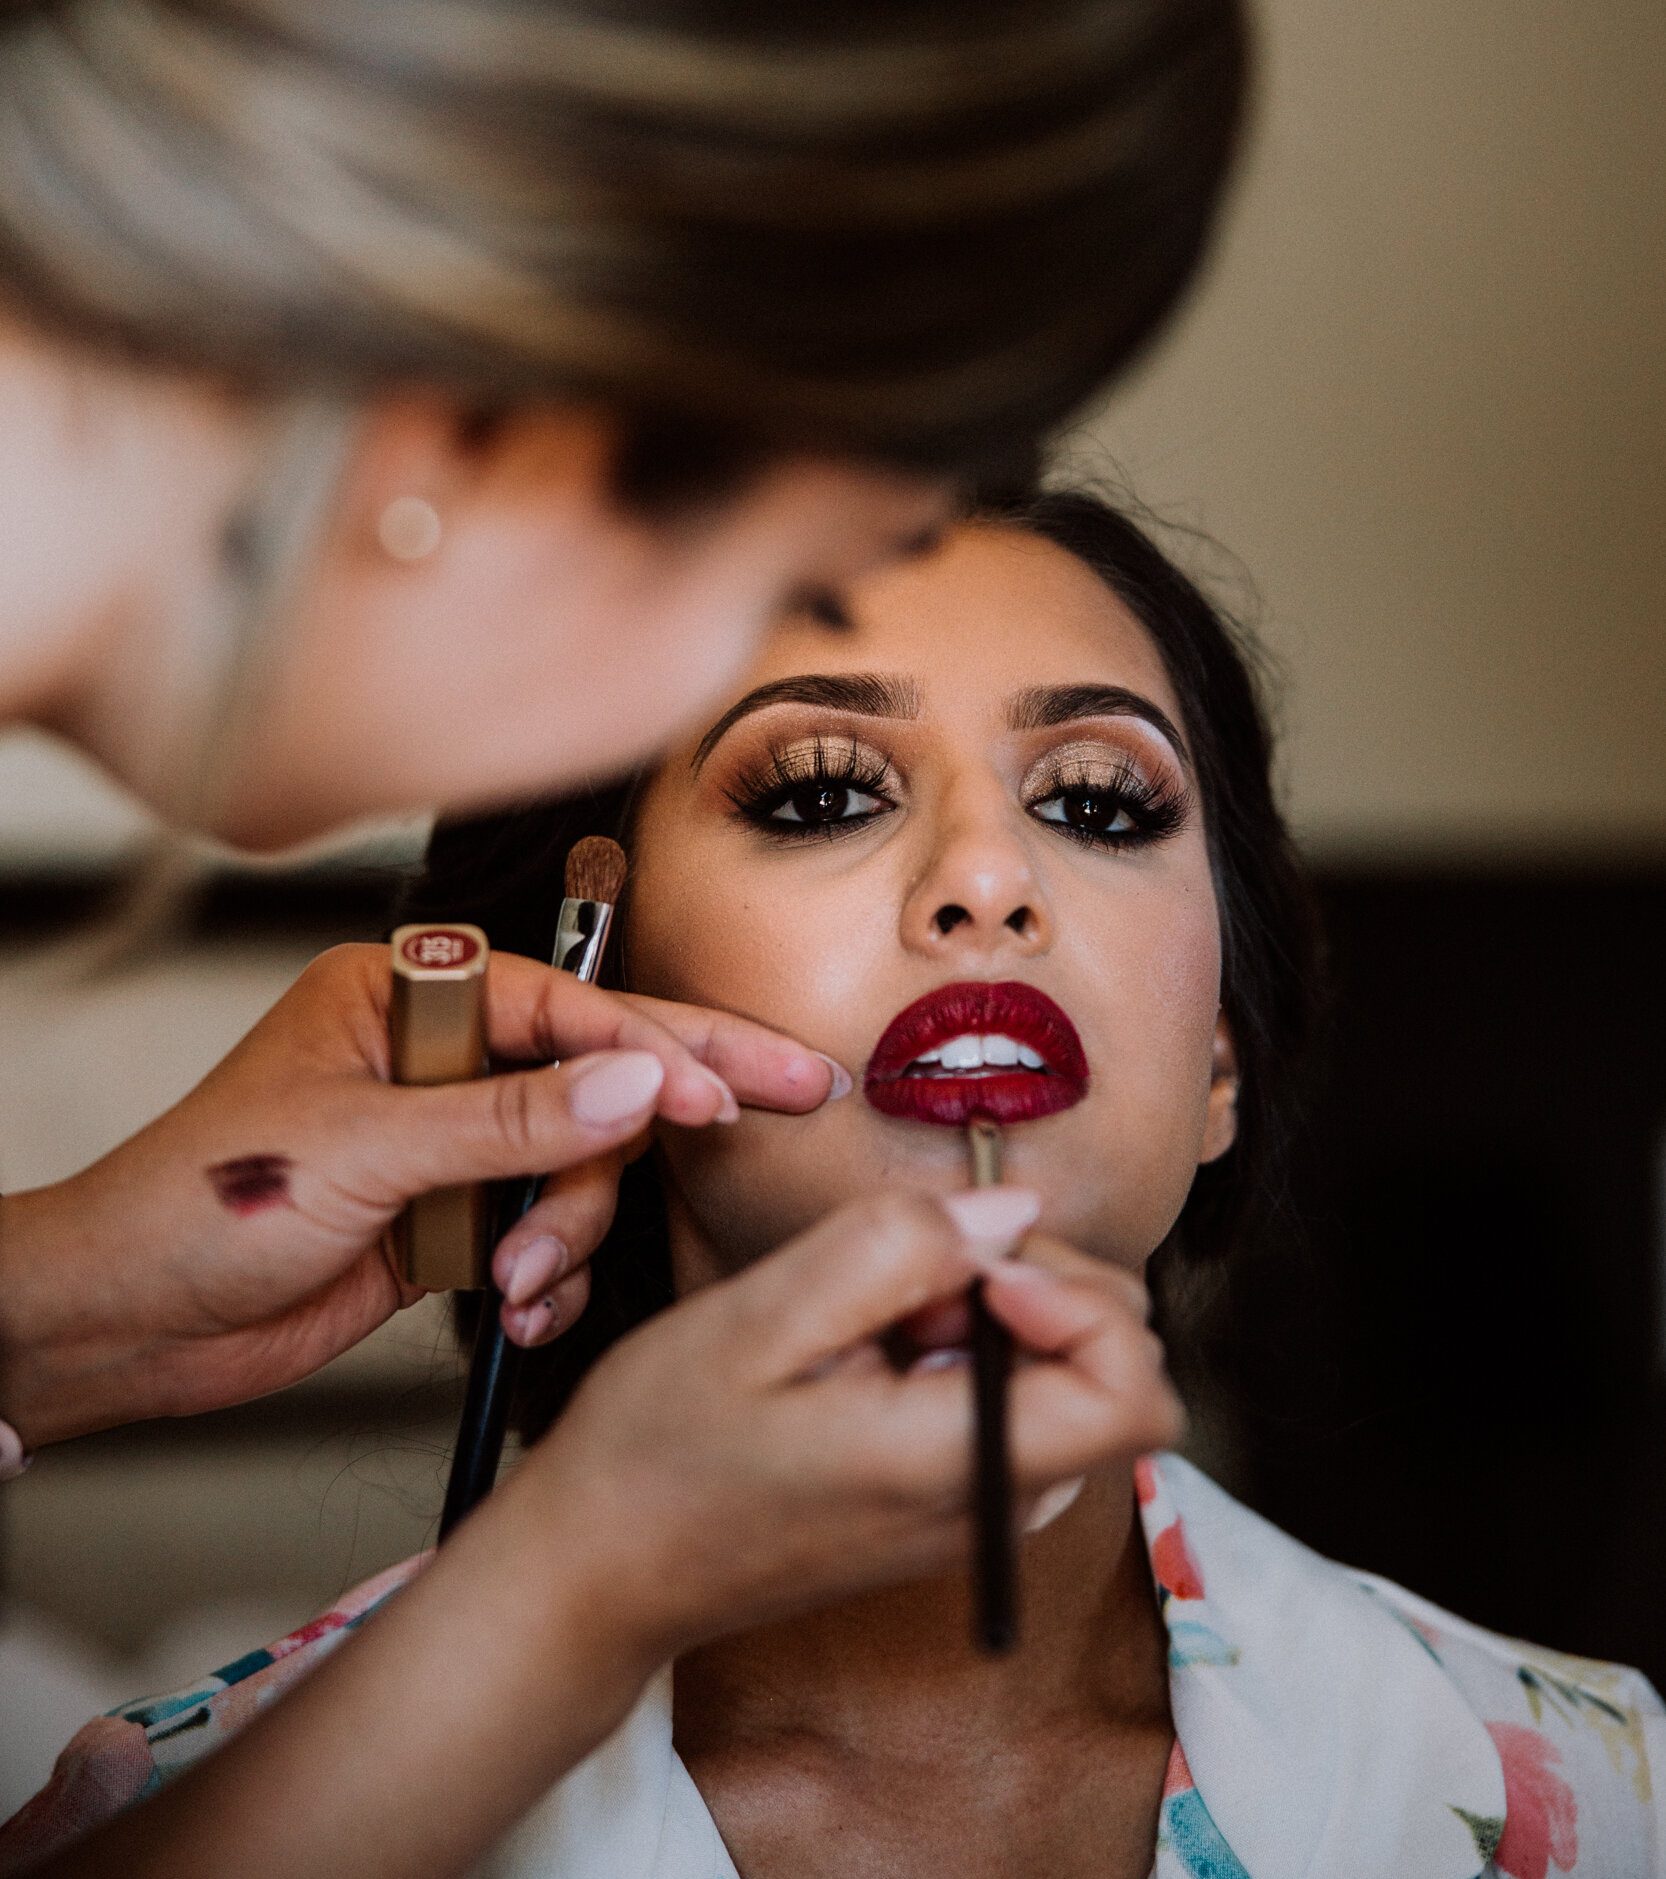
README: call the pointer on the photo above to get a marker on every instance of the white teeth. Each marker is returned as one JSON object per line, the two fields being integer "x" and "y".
{"x": 974, "y": 1051}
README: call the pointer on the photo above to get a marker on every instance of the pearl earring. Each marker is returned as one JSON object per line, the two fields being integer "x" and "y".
{"x": 409, "y": 529}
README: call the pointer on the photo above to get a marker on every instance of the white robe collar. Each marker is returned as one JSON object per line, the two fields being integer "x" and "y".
{"x": 1321, "y": 1735}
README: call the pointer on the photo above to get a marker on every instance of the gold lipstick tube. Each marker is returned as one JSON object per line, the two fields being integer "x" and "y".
{"x": 437, "y": 1028}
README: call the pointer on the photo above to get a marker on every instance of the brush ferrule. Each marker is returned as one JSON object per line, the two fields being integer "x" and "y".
{"x": 580, "y": 936}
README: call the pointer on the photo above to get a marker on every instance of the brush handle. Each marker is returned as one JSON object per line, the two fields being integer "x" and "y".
{"x": 493, "y": 1368}
{"x": 581, "y": 935}
{"x": 995, "y": 1564}
{"x": 994, "y": 1558}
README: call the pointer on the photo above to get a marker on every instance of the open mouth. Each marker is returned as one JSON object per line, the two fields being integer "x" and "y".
{"x": 1006, "y": 1051}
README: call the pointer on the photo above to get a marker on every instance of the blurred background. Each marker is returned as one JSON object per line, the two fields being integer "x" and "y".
{"x": 1417, "y": 415}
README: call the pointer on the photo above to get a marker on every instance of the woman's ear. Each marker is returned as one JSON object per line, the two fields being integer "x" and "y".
{"x": 1220, "y": 1126}
{"x": 427, "y": 454}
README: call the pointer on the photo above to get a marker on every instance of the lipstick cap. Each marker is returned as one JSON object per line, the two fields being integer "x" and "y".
{"x": 437, "y": 1027}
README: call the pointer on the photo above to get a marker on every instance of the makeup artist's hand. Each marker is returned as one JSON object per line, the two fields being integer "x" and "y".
{"x": 236, "y": 1244}
{"x": 750, "y": 1451}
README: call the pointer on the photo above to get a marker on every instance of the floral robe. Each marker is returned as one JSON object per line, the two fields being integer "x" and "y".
{"x": 1327, "y": 1724}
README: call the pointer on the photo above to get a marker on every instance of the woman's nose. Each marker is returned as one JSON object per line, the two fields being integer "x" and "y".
{"x": 978, "y": 895}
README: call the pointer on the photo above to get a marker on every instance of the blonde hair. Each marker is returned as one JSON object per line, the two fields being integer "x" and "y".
{"x": 913, "y": 231}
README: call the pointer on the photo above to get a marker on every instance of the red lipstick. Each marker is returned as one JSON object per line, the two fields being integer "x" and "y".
{"x": 912, "y": 1074}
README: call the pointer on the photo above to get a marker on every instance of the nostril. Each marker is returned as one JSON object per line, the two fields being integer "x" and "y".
{"x": 946, "y": 919}
{"x": 1019, "y": 919}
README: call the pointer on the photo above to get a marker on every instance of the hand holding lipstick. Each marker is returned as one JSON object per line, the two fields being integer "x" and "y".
{"x": 235, "y": 1244}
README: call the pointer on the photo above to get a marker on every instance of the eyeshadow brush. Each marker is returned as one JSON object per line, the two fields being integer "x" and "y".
{"x": 994, "y": 1566}
{"x": 593, "y": 881}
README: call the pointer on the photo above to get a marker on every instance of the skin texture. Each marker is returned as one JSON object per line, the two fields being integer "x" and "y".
{"x": 552, "y": 635}
{"x": 761, "y": 1405}
{"x": 834, "y": 937}
{"x": 119, "y": 485}
{"x": 869, "y": 1736}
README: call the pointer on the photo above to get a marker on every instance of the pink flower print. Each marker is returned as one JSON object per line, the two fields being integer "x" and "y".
{"x": 1177, "y": 1777}
{"x": 1145, "y": 1481}
{"x": 1172, "y": 1563}
{"x": 1541, "y": 1815}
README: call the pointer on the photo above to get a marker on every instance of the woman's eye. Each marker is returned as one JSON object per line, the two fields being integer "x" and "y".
{"x": 1088, "y": 811}
{"x": 820, "y": 805}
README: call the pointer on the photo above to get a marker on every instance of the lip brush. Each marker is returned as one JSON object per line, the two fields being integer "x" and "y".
{"x": 994, "y": 1566}
{"x": 594, "y": 880}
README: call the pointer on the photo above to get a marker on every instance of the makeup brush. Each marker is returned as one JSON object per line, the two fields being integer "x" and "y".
{"x": 994, "y": 1567}
{"x": 594, "y": 879}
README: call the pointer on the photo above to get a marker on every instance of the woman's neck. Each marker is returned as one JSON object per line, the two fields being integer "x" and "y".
{"x": 896, "y": 1674}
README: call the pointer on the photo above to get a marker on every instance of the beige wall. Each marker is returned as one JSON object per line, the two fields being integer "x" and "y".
{"x": 1422, "y": 398}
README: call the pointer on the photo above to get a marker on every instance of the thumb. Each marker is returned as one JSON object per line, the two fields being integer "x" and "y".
{"x": 528, "y": 1122}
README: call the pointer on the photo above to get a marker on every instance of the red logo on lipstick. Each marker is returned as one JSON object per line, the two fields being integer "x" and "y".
{"x": 440, "y": 949}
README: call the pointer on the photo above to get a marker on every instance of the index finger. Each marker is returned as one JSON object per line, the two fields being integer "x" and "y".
{"x": 535, "y": 1012}
{"x": 766, "y": 1069}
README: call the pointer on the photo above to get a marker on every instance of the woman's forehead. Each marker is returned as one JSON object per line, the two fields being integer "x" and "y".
{"x": 992, "y": 611}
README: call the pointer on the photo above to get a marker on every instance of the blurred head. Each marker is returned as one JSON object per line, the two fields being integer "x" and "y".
{"x": 669, "y": 314}
{"x": 1024, "y": 800}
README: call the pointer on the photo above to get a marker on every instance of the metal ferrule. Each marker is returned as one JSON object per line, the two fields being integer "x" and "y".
{"x": 580, "y": 935}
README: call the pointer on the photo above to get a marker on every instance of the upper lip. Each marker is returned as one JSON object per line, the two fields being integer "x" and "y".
{"x": 1007, "y": 1009}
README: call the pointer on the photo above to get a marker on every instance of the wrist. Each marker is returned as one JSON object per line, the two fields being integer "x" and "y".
{"x": 563, "y": 1641}
{"x": 62, "y": 1372}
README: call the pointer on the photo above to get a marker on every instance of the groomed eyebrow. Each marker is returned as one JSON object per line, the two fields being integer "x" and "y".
{"x": 1044, "y": 706}
{"x": 866, "y": 694}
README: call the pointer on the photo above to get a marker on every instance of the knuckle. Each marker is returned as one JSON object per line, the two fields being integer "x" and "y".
{"x": 514, "y": 1114}
{"x": 889, "y": 1231}
{"x": 893, "y": 1223}
{"x": 336, "y": 964}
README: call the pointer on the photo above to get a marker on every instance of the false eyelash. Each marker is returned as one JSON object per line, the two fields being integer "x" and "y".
{"x": 757, "y": 793}
{"x": 1157, "y": 808}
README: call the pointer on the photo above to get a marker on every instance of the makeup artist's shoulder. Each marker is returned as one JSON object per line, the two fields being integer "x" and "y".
{"x": 126, "y": 1756}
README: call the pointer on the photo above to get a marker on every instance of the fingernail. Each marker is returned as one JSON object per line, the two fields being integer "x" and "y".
{"x": 948, "y": 1359}
{"x": 728, "y": 1108}
{"x": 535, "y": 1268}
{"x": 1053, "y": 1502}
{"x": 991, "y": 1220}
{"x": 1020, "y": 1272}
{"x": 616, "y": 1088}
{"x": 842, "y": 1084}
{"x": 531, "y": 1324}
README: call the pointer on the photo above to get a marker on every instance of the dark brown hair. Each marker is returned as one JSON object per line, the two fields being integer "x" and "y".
{"x": 505, "y": 872}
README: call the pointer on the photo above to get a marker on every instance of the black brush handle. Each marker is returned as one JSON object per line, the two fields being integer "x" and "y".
{"x": 493, "y": 1368}
{"x": 994, "y": 1564}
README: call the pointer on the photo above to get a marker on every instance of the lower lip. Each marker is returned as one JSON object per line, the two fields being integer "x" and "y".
{"x": 1014, "y": 1096}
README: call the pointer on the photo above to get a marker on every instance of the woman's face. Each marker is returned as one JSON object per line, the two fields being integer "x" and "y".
{"x": 959, "y": 849}
{"x": 551, "y": 638}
